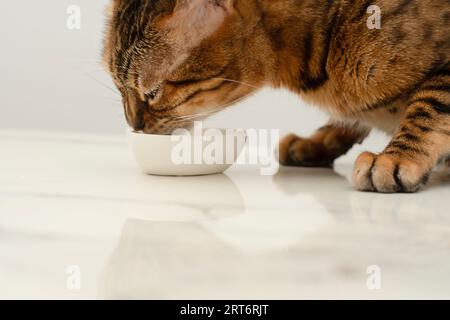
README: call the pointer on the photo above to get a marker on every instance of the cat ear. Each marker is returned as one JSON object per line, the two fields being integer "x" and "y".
{"x": 195, "y": 20}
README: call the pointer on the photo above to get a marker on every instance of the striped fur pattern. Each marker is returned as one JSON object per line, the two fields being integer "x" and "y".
{"x": 176, "y": 61}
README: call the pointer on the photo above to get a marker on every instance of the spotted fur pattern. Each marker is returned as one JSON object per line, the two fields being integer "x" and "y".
{"x": 175, "y": 61}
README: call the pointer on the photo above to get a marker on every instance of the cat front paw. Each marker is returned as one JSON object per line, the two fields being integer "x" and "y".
{"x": 299, "y": 152}
{"x": 389, "y": 173}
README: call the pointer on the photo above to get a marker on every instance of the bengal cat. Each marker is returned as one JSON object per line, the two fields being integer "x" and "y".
{"x": 179, "y": 60}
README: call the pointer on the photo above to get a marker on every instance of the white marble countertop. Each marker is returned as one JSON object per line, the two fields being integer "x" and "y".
{"x": 79, "y": 200}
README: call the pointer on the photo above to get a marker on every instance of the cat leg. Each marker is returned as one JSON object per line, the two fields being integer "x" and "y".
{"x": 420, "y": 143}
{"x": 320, "y": 150}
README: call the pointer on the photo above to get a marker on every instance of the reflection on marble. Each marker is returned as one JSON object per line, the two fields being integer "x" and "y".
{"x": 302, "y": 234}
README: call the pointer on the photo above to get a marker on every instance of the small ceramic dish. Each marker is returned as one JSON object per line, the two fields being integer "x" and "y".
{"x": 192, "y": 153}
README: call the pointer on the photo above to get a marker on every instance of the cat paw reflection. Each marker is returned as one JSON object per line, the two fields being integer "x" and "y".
{"x": 330, "y": 188}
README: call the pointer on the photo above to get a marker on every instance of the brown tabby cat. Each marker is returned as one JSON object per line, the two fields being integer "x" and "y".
{"x": 179, "y": 60}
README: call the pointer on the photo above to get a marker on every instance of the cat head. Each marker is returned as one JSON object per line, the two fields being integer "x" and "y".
{"x": 176, "y": 61}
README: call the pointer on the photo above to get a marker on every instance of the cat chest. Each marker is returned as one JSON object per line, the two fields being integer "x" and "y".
{"x": 349, "y": 107}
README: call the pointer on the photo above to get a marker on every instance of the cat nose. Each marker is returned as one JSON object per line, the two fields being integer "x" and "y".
{"x": 139, "y": 123}
{"x": 134, "y": 112}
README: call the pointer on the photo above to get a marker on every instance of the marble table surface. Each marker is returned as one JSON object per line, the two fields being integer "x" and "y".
{"x": 79, "y": 221}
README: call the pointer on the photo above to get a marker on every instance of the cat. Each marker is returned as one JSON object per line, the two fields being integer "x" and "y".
{"x": 175, "y": 61}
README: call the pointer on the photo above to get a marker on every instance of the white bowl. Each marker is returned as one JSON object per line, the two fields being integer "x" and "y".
{"x": 209, "y": 151}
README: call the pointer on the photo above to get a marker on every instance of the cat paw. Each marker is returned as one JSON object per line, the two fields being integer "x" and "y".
{"x": 389, "y": 173}
{"x": 299, "y": 152}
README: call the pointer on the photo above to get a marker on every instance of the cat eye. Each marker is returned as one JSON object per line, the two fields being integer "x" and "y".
{"x": 152, "y": 94}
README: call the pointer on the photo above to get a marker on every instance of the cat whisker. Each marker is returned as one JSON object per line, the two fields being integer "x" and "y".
{"x": 196, "y": 116}
{"x": 104, "y": 85}
{"x": 236, "y": 81}
{"x": 116, "y": 102}
{"x": 97, "y": 71}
